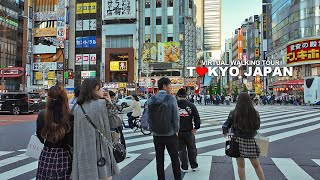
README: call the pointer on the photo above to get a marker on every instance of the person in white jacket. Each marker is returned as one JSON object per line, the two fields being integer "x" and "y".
{"x": 135, "y": 107}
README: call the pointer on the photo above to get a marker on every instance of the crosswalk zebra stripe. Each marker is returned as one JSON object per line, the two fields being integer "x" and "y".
{"x": 249, "y": 170}
{"x": 290, "y": 169}
{"x": 317, "y": 161}
{"x": 2, "y": 153}
{"x": 205, "y": 167}
{"x": 22, "y": 169}
{"x": 149, "y": 171}
{"x": 128, "y": 161}
{"x": 11, "y": 160}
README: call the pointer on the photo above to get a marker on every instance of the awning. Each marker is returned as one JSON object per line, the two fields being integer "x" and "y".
{"x": 289, "y": 82}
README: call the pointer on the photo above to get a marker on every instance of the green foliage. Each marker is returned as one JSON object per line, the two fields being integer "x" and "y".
{"x": 211, "y": 90}
{"x": 244, "y": 87}
{"x": 236, "y": 91}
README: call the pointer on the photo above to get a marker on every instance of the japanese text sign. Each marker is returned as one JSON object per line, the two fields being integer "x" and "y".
{"x": 303, "y": 51}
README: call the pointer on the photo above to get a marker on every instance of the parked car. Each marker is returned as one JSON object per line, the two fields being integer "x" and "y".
{"x": 35, "y": 101}
{"x": 18, "y": 102}
{"x": 126, "y": 101}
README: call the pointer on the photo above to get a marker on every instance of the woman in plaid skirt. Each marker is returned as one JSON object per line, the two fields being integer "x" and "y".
{"x": 244, "y": 121}
{"x": 55, "y": 130}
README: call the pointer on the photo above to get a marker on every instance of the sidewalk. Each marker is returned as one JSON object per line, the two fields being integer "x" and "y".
{"x": 14, "y": 119}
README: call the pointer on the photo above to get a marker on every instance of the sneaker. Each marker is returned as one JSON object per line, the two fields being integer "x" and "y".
{"x": 184, "y": 170}
{"x": 196, "y": 169}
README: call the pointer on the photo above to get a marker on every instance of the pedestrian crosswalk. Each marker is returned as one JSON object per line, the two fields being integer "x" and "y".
{"x": 277, "y": 123}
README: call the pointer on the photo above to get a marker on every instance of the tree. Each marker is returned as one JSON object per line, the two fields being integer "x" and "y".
{"x": 245, "y": 89}
{"x": 211, "y": 89}
{"x": 219, "y": 87}
{"x": 224, "y": 92}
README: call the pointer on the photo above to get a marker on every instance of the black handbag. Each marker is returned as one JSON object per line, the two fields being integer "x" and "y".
{"x": 119, "y": 151}
{"x": 232, "y": 147}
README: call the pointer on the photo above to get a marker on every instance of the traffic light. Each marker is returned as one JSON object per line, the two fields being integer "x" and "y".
{"x": 70, "y": 74}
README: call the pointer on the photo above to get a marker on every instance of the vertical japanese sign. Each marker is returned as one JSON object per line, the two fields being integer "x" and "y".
{"x": 301, "y": 52}
{"x": 78, "y": 59}
{"x": 61, "y": 23}
{"x": 118, "y": 9}
{"x": 239, "y": 44}
{"x": 264, "y": 31}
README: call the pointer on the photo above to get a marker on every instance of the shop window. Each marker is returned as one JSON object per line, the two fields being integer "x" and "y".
{"x": 158, "y": 38}
{"x": 147, "y": 38}
{"x": 170, "y": 39}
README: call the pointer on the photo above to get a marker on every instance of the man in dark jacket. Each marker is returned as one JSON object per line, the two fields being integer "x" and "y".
{"x": 189, "y": 124}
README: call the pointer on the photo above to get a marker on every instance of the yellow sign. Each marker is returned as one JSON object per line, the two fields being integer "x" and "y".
{"x": 44, "y": 32}
{"x": 38, "y": 75}
{"x": 51, "y": 75}
{"x": 86, "y": 8}
{"x": 118, "y": 65}
{"x": 50, "y": 83}
{"x": 256, "y": 41}
{"x": 122, "y": 85}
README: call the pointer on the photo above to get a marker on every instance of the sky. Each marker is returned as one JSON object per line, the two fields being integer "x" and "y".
{"x": 234, "y": 12}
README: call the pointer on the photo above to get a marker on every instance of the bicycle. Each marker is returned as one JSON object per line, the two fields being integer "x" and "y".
{"x": 137, "y": 124}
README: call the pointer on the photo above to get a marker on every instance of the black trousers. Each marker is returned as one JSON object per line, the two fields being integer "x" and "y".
{"x": 122, "y": 140}
{"x": 171, "y": 143}
{"x": 187, "y": 150}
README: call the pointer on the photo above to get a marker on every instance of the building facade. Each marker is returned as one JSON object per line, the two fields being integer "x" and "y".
{"x": 167, "y": 41}
{"x": 11, "y": 47}
{"x": 294, "y": 41}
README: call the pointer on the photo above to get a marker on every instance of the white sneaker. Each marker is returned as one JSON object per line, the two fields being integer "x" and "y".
{"x": 196, "y": 169}
{"x": 183, "y": 170}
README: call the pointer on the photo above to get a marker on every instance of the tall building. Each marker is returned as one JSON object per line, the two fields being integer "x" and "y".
{"x": 167, "y": 41}
{"x": 11, "y": 46}
{"x": 212, "y": 29}
{"x": 294, "y": 42}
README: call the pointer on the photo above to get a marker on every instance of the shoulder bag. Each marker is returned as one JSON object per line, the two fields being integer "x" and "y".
{"x": 119, "y": 151}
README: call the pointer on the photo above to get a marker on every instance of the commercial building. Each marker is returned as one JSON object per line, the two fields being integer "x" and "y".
{"x": 11, "y": 47}
{"x": 167, "y": 41}
{"x": 294, "y": 41}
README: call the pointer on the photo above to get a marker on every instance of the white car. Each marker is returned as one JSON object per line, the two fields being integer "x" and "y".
{"x": 126, "y": 101}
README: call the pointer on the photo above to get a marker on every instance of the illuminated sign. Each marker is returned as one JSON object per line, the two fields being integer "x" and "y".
{"x": 86, "y": 8}
{"x": 118, "y": 66}
{"x": 303, "y": 51}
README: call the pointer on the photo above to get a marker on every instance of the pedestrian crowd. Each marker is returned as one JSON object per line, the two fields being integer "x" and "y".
{"x": 83, "y": 138}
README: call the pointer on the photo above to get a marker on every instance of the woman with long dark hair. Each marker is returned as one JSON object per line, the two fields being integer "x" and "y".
{"x": 244, "y": 122}
{"x": 55, "y": 130}
{"x": 92, "y": 158}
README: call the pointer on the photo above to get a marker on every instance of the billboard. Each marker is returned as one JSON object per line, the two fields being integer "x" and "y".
{"x": 303, "y": 52}
{"x": 61, "y": 24}
{"x": 86, "y": 8}
{"x": 86, "y": 59}
{"x": 168, "y": 52}
{"x": 239, "y": 44}
{"x": 86, "y": 25}
{"x": 118, "y": 9}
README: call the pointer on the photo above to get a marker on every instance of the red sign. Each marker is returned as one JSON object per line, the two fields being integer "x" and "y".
{"x": 11, "y": 72}
{"x": 303, "y": 51}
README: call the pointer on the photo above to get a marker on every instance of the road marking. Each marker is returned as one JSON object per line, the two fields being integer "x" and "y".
{"x": 2, "y": 153}
{"x": 249, "y": 170}
{"x": 204, "y": 166}
{"x": 11, "y": 160}
{"x": 149, "y": 172}
{"x": 18, "y": 171}
{"x": 290, "y": 169}
{"x": 317, "y": 161}
{"x": 128, "y": 161}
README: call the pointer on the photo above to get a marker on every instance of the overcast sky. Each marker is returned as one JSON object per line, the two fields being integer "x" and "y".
{"x": 234, "y": 12}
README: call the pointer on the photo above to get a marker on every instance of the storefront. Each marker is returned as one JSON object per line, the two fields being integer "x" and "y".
{"x": 150, "y": 85}
{"x": 294, "y": 87}
{"x": 12, "y": 79}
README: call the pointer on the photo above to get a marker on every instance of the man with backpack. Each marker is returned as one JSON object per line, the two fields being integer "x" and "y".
{"x": 189, "y": 124}
{"x": 163, "y": 119}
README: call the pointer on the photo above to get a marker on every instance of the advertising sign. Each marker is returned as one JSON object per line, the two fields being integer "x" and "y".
{"x": 239, "y": 44}
{"x": 51, "y": 75}
{"x": 88, "y": 74}
{"x": 93, "y": 59}
{"x": 171, "y": 51}
{"x": 118, "y": 9}
{"x": 86, "y": 25}
{"x": 86, "y": 8}
{"x": 78, "y": 59}
{"x": 264, "y": 21}
{"x": 45, "y": 16}
{"x": 149, "y": 52}
{"x": 118, "y": 66}
{"x": 45, "y": 32}
{"x": 85, "y": 59}
{"x": 302, "y": 52}
{"x": 37, "y": 66}
{"x": 38, "y": 75}
{"x": 86, "y": 42}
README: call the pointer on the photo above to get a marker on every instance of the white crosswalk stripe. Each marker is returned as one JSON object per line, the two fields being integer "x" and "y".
{"x": 276, "y": 122}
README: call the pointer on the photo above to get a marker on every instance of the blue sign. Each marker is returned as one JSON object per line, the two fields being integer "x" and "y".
{"x": 86, "y": 42}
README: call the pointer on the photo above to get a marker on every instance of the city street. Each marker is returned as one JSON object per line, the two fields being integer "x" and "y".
{"x": 294, "y": 133}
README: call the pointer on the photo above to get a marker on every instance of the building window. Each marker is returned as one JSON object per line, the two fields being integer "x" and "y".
{"x": 158, "y": 38}
{"x": 190, "y": 4}
{"x": 170, "y": 3}
{"x": 147, "y": 21}
{"x": 147, "y": 4}
{"x": 170, "y": 20}
{"x": 147, "y": 38}
{"x": 158, "y": 21}
{"x": 169, "y": 39}
{"x": 158, "y": 3}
